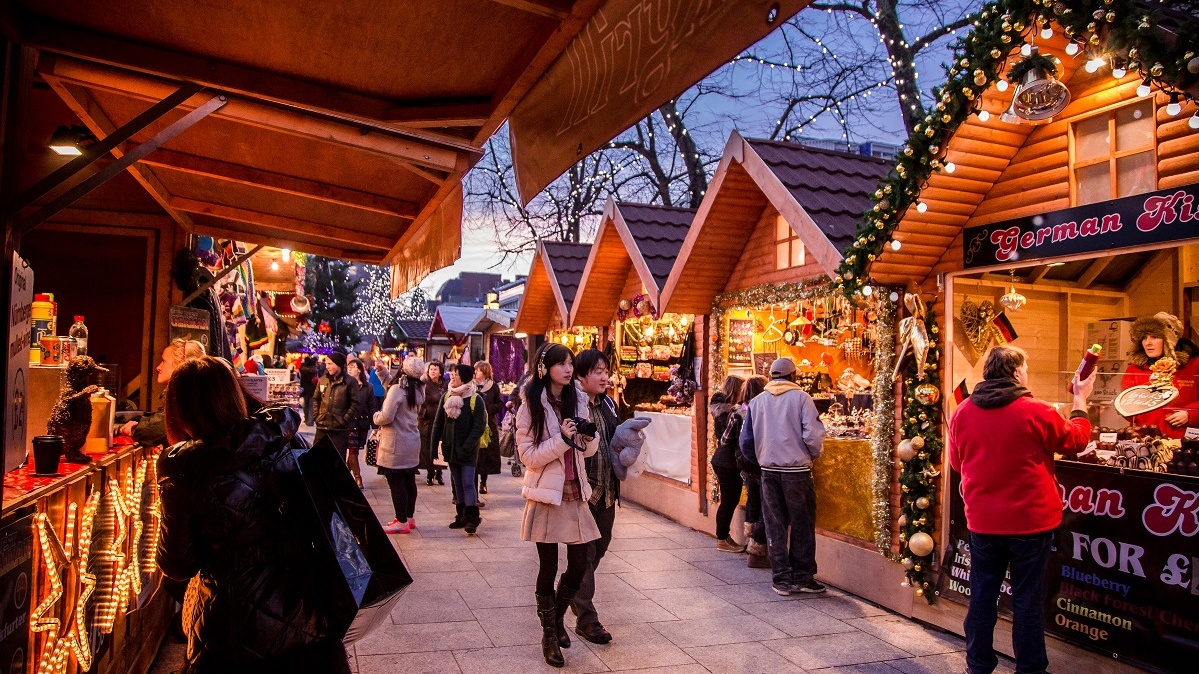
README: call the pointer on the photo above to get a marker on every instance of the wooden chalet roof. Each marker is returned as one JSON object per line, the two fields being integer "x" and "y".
{"x": 551, "y": 286}
{"x": 631, "y": 236}
{"x": 346, "y": 125}
{"x": 1009, "y": 171}
{"x": 820, "y": 193}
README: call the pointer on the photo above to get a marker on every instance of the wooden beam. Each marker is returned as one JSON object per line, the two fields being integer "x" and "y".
{"x": 1094, "y": 270}
{"x": 1039, "y": 273}
{"x": 259, "y": 236}
{"x": 280, "y": 120}
{"x": 85, "y": 107}
{"x": 278, "y": 182}
{"x": 282, "y": 223}
{"x": 251, "y": 82}
{"x": 547, "y": 8}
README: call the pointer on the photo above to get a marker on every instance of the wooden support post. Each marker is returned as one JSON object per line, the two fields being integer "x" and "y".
{"x": 700, "y": 409}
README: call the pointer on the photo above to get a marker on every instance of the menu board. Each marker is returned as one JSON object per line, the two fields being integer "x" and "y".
{"x": 741, "y": 342}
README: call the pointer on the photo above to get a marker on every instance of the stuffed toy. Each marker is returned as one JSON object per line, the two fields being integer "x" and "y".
{"x": 626, "y": 447}
{"x": 71, "y": 416}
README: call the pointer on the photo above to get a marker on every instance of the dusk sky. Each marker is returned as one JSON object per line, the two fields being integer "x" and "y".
{"x": 748, "y": 92}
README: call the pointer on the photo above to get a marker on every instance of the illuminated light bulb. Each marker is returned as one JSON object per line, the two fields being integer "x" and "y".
{"x": 1047, "y": 32}
{"x": 1094, "y": 65}
{"x": 1072, "y": 48}
{"x": 1174, "y": 107}
{"x": 894, "y": 296}
{"x": 896, "y": 244}
{"x": 274, "y": 266}
{"x": 1119, "y": 72}
{"x": 1194, "y": 121}
{"x": 950, "y": 167}
{"x": 984, "y": 115}
{"x": 921, "y": 207}
{"x": 867, "y": 291}
{"x": 1001, "y": 85}
{"x": 285, "y": 254}
{"x": 1026, "y": 50}
{"x": 1143, "y": 90}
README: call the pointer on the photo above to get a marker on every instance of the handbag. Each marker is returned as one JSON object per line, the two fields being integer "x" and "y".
{"x": 364, "y": 576}
{"x": 372, "y": 447}
{"x": 508, "y": 437}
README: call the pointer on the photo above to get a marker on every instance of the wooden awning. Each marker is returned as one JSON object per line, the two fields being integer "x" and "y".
{"x": 348, "y": 124}
{"x": 551, "y": 286}
{"x": 630, "y": 236}
{"x": 820, "y": 193}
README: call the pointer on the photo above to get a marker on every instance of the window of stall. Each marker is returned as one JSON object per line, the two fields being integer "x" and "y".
{"x": 1113, "y": 155}
{"x": 788, "y": 248}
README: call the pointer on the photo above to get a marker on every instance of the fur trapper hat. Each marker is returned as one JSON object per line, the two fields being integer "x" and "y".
{"x": 1161, "y": 324}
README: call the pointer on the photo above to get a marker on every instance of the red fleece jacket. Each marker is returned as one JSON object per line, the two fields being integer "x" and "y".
{"x": 1005, "y": 456}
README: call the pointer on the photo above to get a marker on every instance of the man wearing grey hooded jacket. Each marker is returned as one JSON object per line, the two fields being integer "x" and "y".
{"x": 782, "y": 433}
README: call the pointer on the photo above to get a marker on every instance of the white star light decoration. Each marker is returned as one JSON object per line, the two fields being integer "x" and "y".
{"x": 59, "y": 558}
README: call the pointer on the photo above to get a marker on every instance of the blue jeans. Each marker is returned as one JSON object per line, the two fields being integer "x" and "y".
{"x": 990, "y": 557}
{"x": 462, "y": 482}
{"x": 789, "y": 500}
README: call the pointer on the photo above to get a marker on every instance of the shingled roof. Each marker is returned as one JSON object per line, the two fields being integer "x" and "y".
{"x": 659, "y": 232}
{"x": 551, "y": 286}
{"x": 833, "y": 187}
{"x": 567, "y": 261}
{"x": 820, "y": 193}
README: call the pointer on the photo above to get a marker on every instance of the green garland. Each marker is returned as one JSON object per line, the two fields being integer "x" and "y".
{"x": 918, "y": 482}
{"x": 882, "y": 440}
{"x": 1122, "y": 27}
{"x": 1049, "y": 64}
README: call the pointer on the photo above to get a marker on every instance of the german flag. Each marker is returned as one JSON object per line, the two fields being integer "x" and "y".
{"x": 961, "y": 392}
{"x": 1007, "y": 333}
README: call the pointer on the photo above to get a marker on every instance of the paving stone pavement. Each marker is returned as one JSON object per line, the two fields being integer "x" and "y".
{"x": 673, "y": 603}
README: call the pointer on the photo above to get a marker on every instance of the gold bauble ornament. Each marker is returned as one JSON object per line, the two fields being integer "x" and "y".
{"x": 947, "y": 118}
{"x": 625, "y": 305}
{"x": 908, "y": 563}
{"x": 922, "y": 456}
{"x": 920, "y": 591}
{"x": 995, "y": 53}
{"x": 917, "y": 567}
{"x": 645, "y": 307}
{"x": 1157, "y": 69}
{"x": 908, "y": 152}
{"x": 1006, "y": 39}
{"x": 965, "y": 63}
{"x": 922, "y": 503}
{"x": 903, "y": 520}
{"x": 929, "y": 132}
{"x": 927, "y": 394}
{"x": 918, "y": 442}
{"x": 921, "y": 544}
{"x": 905, "y": 451}
{"x": 887, "y": 189}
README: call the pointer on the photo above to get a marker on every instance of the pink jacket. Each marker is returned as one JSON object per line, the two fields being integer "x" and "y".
{"x": 545, "y": 474}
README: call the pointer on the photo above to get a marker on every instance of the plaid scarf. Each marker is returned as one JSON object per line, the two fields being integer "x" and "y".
{"x": 605, "y": 489}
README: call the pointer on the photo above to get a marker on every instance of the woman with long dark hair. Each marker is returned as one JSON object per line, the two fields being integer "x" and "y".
{"x": 724, "y": 460}
{"x": 755, "y": 528}
{"x": 399, "y": 441}
{"x": 556, "y": 488}
{"x": 257, "y": 604}
{"x": 361, "y": 426}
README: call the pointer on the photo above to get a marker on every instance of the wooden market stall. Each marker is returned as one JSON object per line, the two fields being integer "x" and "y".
{"x": 757, "y": 263}
{"x": 550, "y": 290}
{"x": 342, "y": 132}
{"x": 1053, "y": 226}
{"x": 634, "y": 251}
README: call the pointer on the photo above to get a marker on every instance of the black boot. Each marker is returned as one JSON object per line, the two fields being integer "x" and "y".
{"x": 472, "y": 519}
{"x": 547, "y": 611}
{"x": 565, "y": 596}
{"x": 459, "y": 521}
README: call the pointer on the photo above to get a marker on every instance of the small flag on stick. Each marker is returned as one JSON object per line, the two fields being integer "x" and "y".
{"x": 1007, "y": 333}
{"x": 961, "y": 392}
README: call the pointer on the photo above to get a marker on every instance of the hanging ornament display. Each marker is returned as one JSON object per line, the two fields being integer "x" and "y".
{"x": 921, "y": 544}
{"x": 927, "y": 394}
{"x": 1012, "y": 300}
{"x": 913, "y": 336}
{"x": 1039, "y": 94}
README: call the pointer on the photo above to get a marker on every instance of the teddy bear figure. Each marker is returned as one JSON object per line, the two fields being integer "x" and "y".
{"x": 71, "y": 416}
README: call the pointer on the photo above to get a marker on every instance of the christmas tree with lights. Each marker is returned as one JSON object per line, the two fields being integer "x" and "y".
{"x": 334, "y": 293}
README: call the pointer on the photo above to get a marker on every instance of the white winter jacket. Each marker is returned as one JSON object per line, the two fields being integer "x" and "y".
{"x": 545, "y": 474}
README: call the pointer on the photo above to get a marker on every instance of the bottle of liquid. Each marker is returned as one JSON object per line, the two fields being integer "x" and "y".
{"x": 1087, "y": 366}
{"x": 43, "y": 323}
{"x": 79, "y": 332}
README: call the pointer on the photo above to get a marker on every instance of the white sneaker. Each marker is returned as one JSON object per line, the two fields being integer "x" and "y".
{"x": 396, "y": 527}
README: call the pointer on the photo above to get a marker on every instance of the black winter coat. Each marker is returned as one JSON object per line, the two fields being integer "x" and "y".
{"x": 256, "y": 601}
{"x": 459, "y": 438}
{"x": 489, "y": 457}
{"x": 367, "y": 406}
{"x": 335, "y": 403}
{"x": 723, "y": 412}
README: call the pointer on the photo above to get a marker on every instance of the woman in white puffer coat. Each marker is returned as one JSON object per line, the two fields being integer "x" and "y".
{"x": 398, "y": 453}
{"x": 556, "y": 488}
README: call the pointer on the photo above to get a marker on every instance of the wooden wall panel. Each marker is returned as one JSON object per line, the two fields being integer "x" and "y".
{"x": 756, "y": 265}
{"x": 1155, "y": 287}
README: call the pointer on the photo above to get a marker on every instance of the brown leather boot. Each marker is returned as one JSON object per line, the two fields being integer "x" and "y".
{"x": 547, "y": 612}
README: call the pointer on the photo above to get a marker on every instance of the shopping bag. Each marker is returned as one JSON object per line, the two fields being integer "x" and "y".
{"x": 365, "y": 574}
{"x": 372, "y": 447}
{"x": 508, "y": 437}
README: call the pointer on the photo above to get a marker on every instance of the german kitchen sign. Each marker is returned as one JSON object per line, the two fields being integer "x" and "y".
{"x": 1157, "y": 217}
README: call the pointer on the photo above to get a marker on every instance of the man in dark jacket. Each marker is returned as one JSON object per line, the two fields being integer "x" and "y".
{"x": 782, "y": 433}
{"x": 335, "y": 402}
{"x": 308, "y": 379}
{"x": 457, "y": 428}
{"x": 1002, "y": 441}
{"x": 591, "y": 372}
